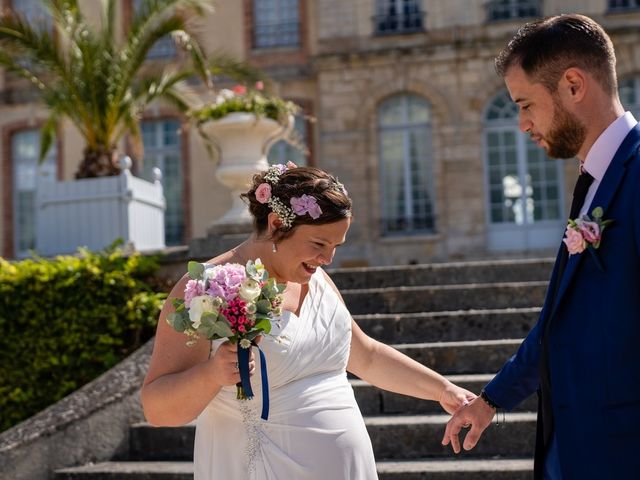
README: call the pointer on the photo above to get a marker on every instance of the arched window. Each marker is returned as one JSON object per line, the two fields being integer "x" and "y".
{"x": 161, "y": 140}
{"x": 406, "y": 165}
{"x": 524, "y": 187}
{"x": 25, "y": 149}
{"x": 629, "y": 89}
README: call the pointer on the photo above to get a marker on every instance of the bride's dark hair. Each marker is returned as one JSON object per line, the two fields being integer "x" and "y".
{"x": 330, "y": 195}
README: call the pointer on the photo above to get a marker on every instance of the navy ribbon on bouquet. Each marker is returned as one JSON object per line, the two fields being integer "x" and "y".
{"x": 243, "y": 366}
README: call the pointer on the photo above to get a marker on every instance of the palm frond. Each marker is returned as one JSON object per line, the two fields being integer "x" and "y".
{"x": 47, "y": 135}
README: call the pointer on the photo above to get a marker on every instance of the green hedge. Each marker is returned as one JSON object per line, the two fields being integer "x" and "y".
{"x": 65, "y": 321}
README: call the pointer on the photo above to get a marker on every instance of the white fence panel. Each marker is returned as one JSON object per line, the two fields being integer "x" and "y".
{"x": 96, "y": 211}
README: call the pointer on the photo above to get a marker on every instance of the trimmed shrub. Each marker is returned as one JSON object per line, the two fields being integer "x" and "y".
{"x": 65, "y": 321}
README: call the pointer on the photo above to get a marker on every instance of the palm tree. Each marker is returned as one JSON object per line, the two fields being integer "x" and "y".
{"x": 97, "y": 77}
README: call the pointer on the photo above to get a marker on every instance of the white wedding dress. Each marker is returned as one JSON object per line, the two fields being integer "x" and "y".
{"x": 315, "y": 429}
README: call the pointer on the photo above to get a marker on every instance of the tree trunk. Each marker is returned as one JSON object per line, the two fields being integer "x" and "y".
{"x": 99, "y": 163}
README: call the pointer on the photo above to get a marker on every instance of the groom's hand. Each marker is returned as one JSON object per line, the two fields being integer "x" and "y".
{"x": 477, "y": 415}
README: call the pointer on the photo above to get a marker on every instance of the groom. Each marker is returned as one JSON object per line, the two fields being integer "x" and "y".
{"x": 583, "y": 355}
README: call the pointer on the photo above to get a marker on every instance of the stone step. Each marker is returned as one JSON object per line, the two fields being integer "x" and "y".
{"x": 445, "y": 297}
{"x": 165, "y": 470}
{"x": 423, "y": 469}
{"x": 449, "y": 326}
{"x": 489, "y": 271}
{"x": 374, "y": 401}
{"x": 468, "y": 357}
{"x": 399, "y": 437}
{"x": 406, "y": 437}
{"x": 455, "y": 469}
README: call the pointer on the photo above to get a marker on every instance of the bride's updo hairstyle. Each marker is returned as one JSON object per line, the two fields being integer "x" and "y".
{"x": 299, "y": 196}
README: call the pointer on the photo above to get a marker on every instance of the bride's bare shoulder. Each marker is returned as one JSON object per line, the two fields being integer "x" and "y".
{"x": 227, "y": 257}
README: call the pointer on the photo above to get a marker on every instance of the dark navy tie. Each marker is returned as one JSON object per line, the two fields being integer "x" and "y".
{"x": 546, "y": 415}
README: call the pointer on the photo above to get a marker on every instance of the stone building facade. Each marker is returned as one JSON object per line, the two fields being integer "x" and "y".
{"x": 409, "y": 114}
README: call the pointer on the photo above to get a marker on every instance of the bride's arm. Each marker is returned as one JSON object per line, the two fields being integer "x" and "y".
{"x": 387, "y": 368}
{"x": 182, "y": 380}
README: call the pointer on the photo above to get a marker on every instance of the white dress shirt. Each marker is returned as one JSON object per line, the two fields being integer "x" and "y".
{"x": 601, "y": 153}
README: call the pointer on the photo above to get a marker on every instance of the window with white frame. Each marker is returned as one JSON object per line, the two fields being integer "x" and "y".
{"x": 25, "y": 149}
{"x": 512, "y": 9}
{"x": 406, "y": 165}
{"x": 523, "y": 184}
{"x": 283, "y": 152}
{"x": 398, "y": 16}
{"x": 622, "y": 5}
{"x": 161, "y": 141}
{"x": 629, "y": 90}
{"x": 164, "y": 47}
{"x": 276, "y": 23}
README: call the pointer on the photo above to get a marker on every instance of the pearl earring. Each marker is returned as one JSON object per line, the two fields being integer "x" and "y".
{"x": 274, "y": 249}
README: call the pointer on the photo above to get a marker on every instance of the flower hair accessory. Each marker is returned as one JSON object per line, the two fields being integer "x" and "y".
{"x": 305, "y": 204}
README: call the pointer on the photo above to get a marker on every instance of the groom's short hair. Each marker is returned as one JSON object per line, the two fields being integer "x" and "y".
{"x": 546, "y": 48}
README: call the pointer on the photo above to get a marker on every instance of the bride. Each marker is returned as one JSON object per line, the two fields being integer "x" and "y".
{"x": 315, "y": 429}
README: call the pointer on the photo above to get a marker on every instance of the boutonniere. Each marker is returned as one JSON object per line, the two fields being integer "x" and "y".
{"x": 586, "y": 233}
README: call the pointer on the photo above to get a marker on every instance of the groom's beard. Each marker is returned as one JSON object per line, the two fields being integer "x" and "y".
{"x": 566, "y": 135}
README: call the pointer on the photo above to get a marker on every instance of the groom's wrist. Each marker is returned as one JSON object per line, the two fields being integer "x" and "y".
{"x": 486, "y": 399}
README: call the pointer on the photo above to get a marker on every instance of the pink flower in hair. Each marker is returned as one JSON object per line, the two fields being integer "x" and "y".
{"x": 290, "y": 164}
{"x": 306, "y": 204}
{"x": 263, "y": 193}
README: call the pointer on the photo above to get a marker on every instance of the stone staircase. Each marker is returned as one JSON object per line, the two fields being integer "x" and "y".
{"x": 461, "y": 319}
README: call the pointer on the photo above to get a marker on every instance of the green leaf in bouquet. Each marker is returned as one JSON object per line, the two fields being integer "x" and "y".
{"x": 177, "y": 303}
{"x": 208, "y": 318}
{"x": 179, "y": 321}
{"x": 222, "y": 328}
{"x": 263, "y": 306}
{"x": 195, "y": 269}
{"x": 251, "y": 269}
{"x": 252, "y": 335}
{"x": 263, "y": 325}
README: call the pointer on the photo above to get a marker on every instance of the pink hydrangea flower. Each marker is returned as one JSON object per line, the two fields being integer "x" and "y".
{"x": 590, "y": 231}
{"x": 574, "y": 241}
{"x": 225, "y": 280}
{"x": 263, "y": 192}
{"x": 306, "y": 204}
{"x": 194, "y": 288}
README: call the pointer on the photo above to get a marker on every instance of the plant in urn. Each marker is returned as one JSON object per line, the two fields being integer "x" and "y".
{"x": 243, "y": 123}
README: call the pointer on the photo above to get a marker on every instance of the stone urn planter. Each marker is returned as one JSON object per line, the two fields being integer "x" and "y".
{"x": 94, "y": 212}
{"x": 243, "y": 141}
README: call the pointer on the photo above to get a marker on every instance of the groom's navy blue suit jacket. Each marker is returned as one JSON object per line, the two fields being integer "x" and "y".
{"x": 594, "y": 339}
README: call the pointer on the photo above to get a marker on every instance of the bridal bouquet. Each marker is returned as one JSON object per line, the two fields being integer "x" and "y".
{"x": 229, "y": 301}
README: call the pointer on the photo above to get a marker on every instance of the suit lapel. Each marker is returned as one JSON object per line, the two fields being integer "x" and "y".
{"x": 603, "y": 198}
